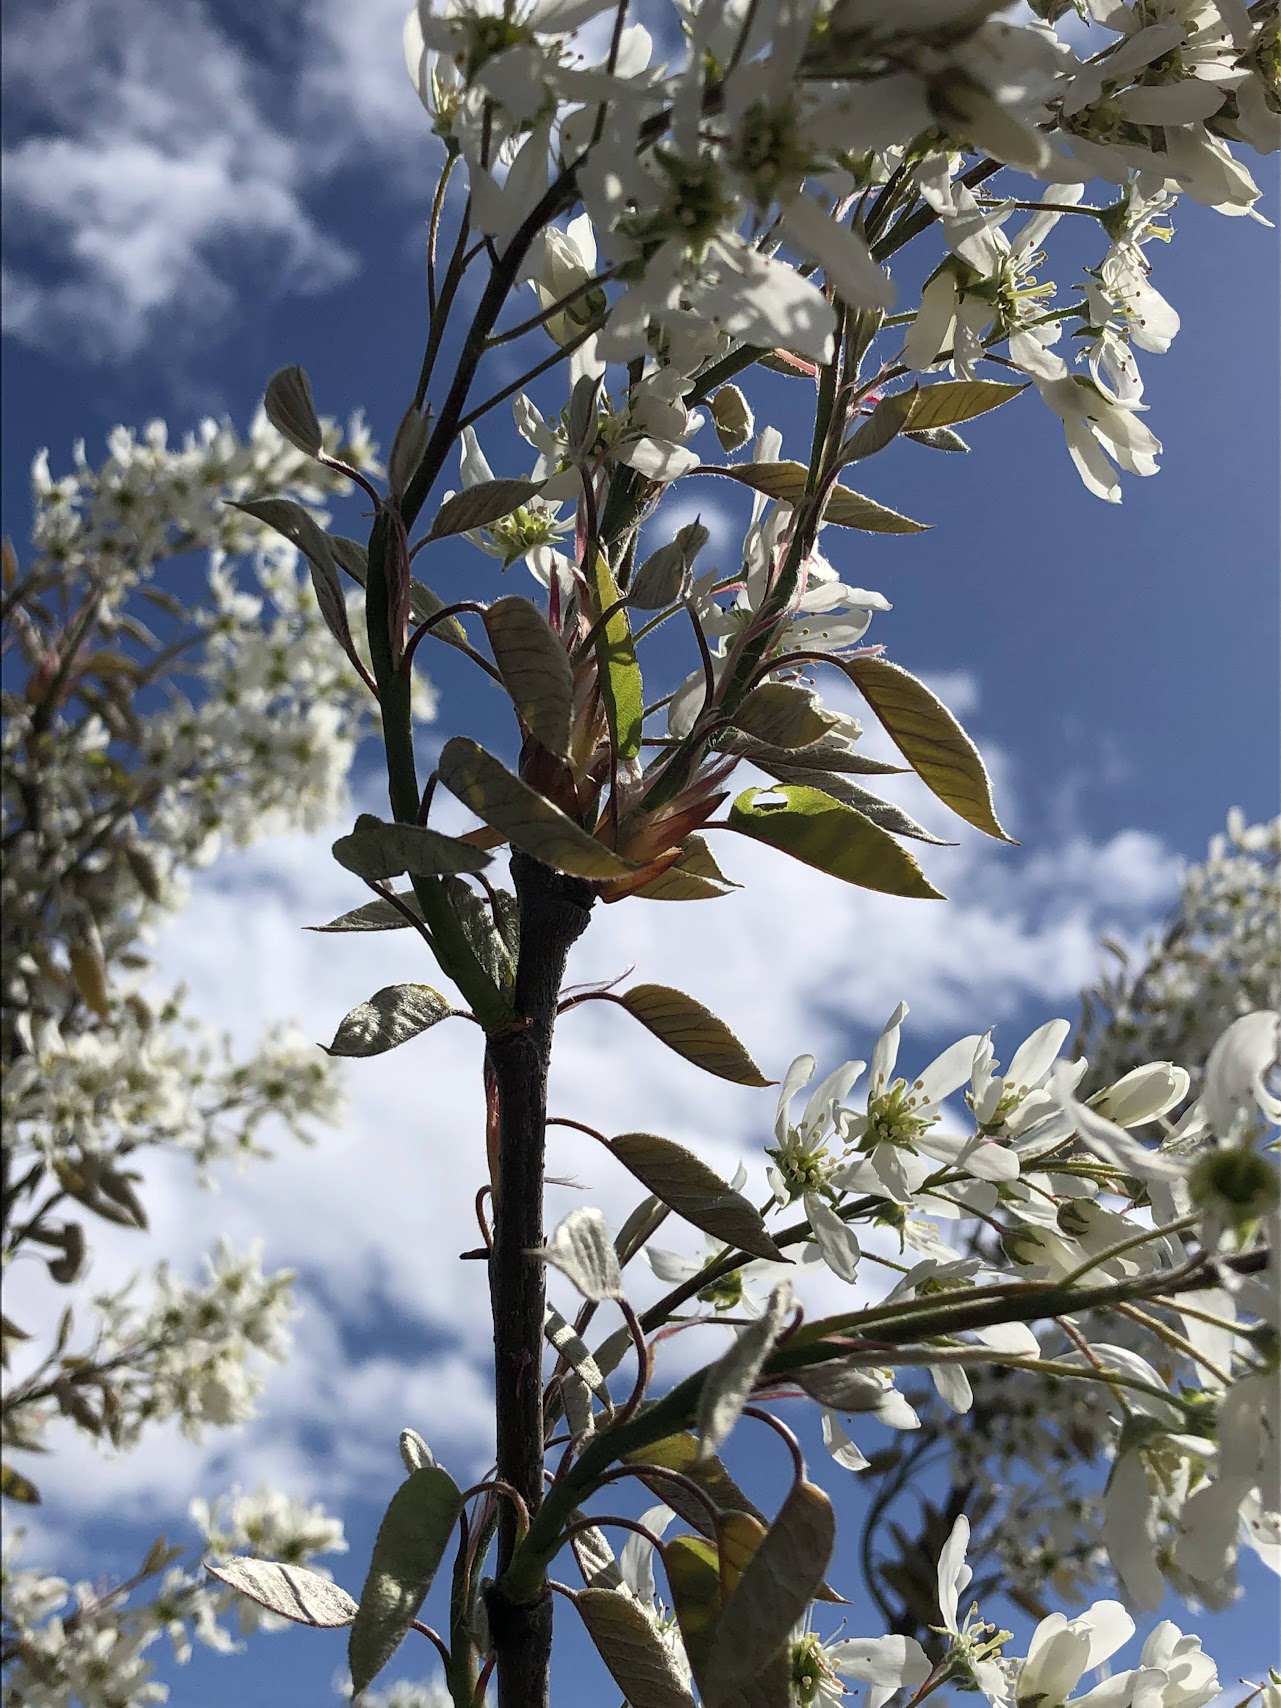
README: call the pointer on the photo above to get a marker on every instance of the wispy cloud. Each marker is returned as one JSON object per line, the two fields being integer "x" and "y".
{"x": 161, "y": 168}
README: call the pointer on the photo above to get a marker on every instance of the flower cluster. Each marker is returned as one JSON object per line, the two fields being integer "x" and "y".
{"x": 86, "y": 1643}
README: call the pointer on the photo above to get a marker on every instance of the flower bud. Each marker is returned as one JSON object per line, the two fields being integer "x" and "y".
{"x": 1142, "y": 1094}
{"x": 568, "y": 262}
{"x": 732, "y": 418}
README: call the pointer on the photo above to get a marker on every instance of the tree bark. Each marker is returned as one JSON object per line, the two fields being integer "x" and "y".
{"x": 554, "y": 912}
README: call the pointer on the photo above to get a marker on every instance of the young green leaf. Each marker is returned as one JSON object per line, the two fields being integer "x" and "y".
{"x": 582, "y": 1249}
{"x": 777, "y": 1585}
{"x": 477, "y": 506}
{"x": 638, "y": 1660}
{"x": 694, "y": 1577}
{"x": 376, "y": 915}
{"x": 535, "y": 669}
{"x": 693, "y": 1032}
{"x": 409, "y": 1547}
{"x": 688, "y": 1186}
{"x": 620, "y": 677}
{"x": 391, "y": 1016}
{"x": 377, "y": 850}
{"x": 522, "y": 815}
{"x": 950, "y": 401}
{"x": 292, "y": 1592}
{"x": 14, "y": 1486}
{"x": 813, "y": 828}
{"x": 784, "y": 714}
{"x": 929, "y": 738}
{"x": 728, "y": 1384}
{"x": 407, "y": 449}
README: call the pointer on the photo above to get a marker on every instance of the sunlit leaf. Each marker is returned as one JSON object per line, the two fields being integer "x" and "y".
{"x": 836, "y": 839}
{"x": 292, "y": 1592}
{"x": 950, "y": 401}
{"x": 14, "y": 1486}
{"x": 477, "y": 506}
{"x": 376, "y": 849}
{"x": 522, "y": 815}
{"x": 885, "y": 814}
{"x": 392, "y": 1016}
{"x": 637, "y": 1658}
{"x": 784, "y": 714}
{"x": 620, "y": 677}
{"x": 409, "y": 1547}
{"x": 693, "y": 1031}
{"x": 535, "y": 669}
{"x": 688, "y": 1186}
{"x": 929, "y": 738}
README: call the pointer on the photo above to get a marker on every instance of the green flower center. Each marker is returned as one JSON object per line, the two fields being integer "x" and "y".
{"x": 725, "y": 1294}
{"x": 896, "y": 1117}
{"x": 810, "y": 1671}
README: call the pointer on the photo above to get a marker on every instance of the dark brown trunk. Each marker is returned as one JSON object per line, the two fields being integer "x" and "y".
{"x": 554, "y": 911}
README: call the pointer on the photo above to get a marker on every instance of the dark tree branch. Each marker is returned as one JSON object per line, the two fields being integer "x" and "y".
{"x": 554, "y": 911}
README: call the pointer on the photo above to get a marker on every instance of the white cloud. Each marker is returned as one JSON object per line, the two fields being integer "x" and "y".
{"x": 151, "y": 174}
{"x": 375, "y": 1216}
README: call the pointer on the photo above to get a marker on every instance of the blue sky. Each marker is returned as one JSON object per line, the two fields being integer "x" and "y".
{"x": 197, "y": 195}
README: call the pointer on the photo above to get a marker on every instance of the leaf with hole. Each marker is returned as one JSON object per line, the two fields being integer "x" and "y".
{"x": 693, "y": 1031}
{"x": 527, "y": 820}
{"x": 392, "y": 1016}
{"x": 638, "y": 1660}
{"x": 477, "y": 506}
{"x": 376, "y": 849}
{"x": 929, "y": 738}
{"x": 535, "y": 669}
{"x": 410, "y": 1545}
{"x": 836, "y": 839}
{"x": 291, "y": 1592}
{"x": 688, "y": 1186}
